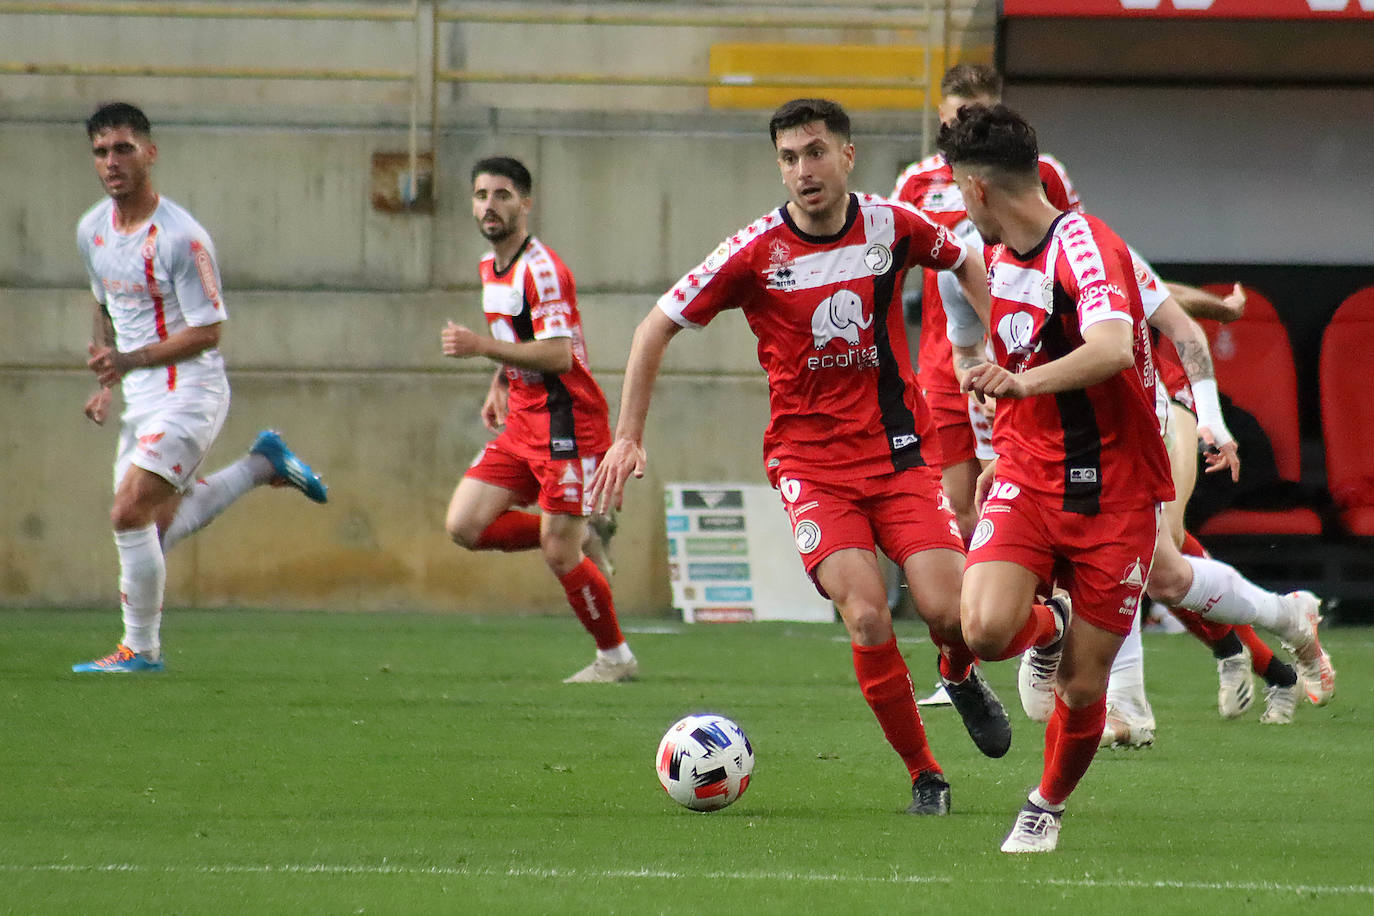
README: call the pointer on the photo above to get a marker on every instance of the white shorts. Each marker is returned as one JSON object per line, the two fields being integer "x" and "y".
{"x": 170, "y": 437}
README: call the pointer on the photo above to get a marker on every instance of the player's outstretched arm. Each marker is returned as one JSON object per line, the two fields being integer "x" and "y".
{"x": 1199, "y": 303}
{"x": 626, "y": 457}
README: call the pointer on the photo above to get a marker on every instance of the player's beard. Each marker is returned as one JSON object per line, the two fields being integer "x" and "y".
{"x": 498, "y": 232}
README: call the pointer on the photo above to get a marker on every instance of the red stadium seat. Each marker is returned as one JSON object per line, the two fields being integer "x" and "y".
{"x": 1347, "y": 364}
{"x": 1254, "y": 365}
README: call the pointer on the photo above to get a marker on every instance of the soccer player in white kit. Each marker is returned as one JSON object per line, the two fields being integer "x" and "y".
{"x": 158, "y": 317}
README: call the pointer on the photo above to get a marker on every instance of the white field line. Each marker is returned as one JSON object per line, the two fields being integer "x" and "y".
{"x": 584, "y": 874}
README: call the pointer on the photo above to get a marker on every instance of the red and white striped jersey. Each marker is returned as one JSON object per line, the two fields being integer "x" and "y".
{"x": 155, "y": 281}
{"x": 1090, "y": 449}
{"x": 929, "y": 186}
{"x": 828, "y": 317}
{"x": 551, "y": 415}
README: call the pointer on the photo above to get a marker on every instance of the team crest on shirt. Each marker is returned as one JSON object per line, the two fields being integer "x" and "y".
{"x": 808, "y": 536}
{"x": 878, "y": 258}
{"x": 779, "y": 272}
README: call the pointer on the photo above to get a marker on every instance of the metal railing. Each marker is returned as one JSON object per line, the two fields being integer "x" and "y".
{"x": 426, "y": 74}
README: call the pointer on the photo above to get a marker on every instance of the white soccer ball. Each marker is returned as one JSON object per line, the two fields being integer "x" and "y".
{"x": 704, "y": 762}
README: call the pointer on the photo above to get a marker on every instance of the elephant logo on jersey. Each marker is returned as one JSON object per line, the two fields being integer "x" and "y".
{"x": 839, "y": 316}
{"x": 1017, "y": 331}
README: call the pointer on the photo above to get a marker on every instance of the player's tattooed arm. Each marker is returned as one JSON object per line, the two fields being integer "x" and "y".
{"x": 965, "y": 358}
{"x": 1196, "y": 359}
{"x": 102, "y": 330}
{"x": 102, "y": 338}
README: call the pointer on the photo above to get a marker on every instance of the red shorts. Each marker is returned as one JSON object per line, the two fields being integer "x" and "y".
{"x": 557, "y": 484}
{"x": 1102, "y": 560}
{"x": 902, "y": 513}
{"x": 949, "y": 410}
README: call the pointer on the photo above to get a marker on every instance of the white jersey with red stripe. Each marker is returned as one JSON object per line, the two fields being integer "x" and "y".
{"x": 155, "y": 281}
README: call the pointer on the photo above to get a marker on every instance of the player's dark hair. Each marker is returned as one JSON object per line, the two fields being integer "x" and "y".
{"x": 506, "y": 167}
{"x": 996, "y": 137}
{"x": 972, "y": 81}
{"x": 804, "y": 111}
{"x": 118, "y": 114}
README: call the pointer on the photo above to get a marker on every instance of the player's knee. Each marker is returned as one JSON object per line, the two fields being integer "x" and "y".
{"x": 1169, "y": 580}
{"x": 1082, "y": 689}
{"x": 463, "y": 534}
{"x": 869, "y": 623}
{"x": 943, "y": 621}
{"x": 983, "y": 642}
{"x": 562, "y": 555}
{"x": 128, "y": 514}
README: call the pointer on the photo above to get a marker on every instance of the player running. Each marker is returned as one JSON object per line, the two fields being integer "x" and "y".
{"x": 850, "y": 445}
{"x": 549, "y": 413}
{"x": 159, "y": 317}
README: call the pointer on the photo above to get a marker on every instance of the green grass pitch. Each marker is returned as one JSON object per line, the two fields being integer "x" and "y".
{"x": 351, "y": 763}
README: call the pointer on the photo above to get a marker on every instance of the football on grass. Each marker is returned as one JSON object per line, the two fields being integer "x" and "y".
{"x": 704, "y": 762}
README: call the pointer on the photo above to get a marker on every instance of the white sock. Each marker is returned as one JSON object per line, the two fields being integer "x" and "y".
{"x": 1038, "y": 800}
{"x": 617, "y": 655}
{"x": 1126, "y": 684}
{"x": 1220, "y": 593}
{"x": 212, "y": 495}
{"x": 142, "y": 578}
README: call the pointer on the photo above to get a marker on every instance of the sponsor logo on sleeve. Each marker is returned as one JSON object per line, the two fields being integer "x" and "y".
{"x": 205, "y": 267}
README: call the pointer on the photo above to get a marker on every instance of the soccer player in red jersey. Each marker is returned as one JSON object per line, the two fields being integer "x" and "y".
{"x": 928, "y": 185}
{"x": 1075, "y": 493}
{"x": 850, "y": 445}
{"x": 548, "y": 411}
{"x": 1075, "y": 496}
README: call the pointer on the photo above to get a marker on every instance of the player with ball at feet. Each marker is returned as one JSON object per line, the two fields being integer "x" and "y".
{"x": 850, "y": 446}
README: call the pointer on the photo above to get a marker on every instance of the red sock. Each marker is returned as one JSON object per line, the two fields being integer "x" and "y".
{"x": 1071, "y": 747}
{"x": 590, "y": 597}
{"x": 1192, "y": 547}
{"x": 1209, "y": 631}
{"x": 955, "y": 658}
{"x": 1260, "y": 653}
{"x": 510, "y": 531}
{"x": 1038, "y": 631}
{"x": 886, "y": 685}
